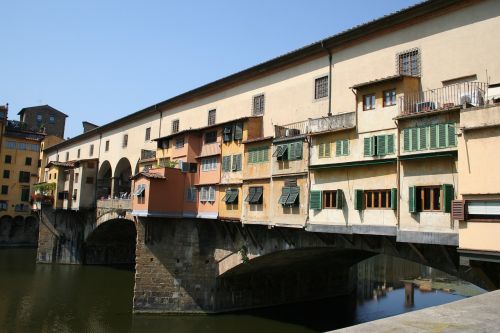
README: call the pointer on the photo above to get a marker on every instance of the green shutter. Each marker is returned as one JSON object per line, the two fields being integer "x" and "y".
{"x": 327, "y": 149}
{"x": 422, "y": 138}
{"x": 406, "y": 139}
{"x": 394, "y": 198}
{"x": 433, "y": 129}
{"x": 315, "y": 200}
{"x": 291, "y": 152}
{"x": 367, "y": 149}
{"x": 452, "y": 135}
{"x": 448, "y": 196}
{"x": 251, "y": 156}
{"x": 298, "y": 150}
{"x": 345, "y": 147}
{"x": 442, "y": 135}
{"x": 414, "y": 139}
{"x": 226, "y": 163}
{"x": 412, "y": 199}
{"x": 381, "y": 145}
{"x": 338, "y": 148}
{"x": 390, "y": 144}
{"x": 265, "y": 154}
{"x": 321, "y": 150}
{"x": 339, "y": 199}
{"x": 358, "y": 200}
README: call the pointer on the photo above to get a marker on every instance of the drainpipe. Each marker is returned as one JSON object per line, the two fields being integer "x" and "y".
{"x": 329, "y": 78}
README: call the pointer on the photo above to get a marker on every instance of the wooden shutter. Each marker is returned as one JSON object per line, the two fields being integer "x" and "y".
{"x": 458, "y": 210}
{"x": 412, "y": 199}
{"x": 442, "y": 135}
{"x": 321, "y": 150}
{"x": 238, "y": 161}
{"x": 367, "y": 147}
{"x": 235, "y": 163}
{"x": 358, "y": 199}
{"x": 422, "y": 138}
{"x": 339, "y": 199}
{"x": 406, "y": 139}
{"x": 338, "y": 148}
{"x": 452, "y": 135}
{"x": 345, "y": 147}
{"x": 227, "y": 132}
{"x": 315, "y": 198}
{"x": 238, "y": 131}
{"x": 433, "y": 129}
{"x": 414, "y": 139}
{"x": 394, "y": 198}
{"x": 327, "y": 149}
{"x": 390, "y": 144}
{"x": 265, "y": 154}
{"x": 298, "y": 150}
{"x": 226, "y": 163}
{"x": 381, "y": 145}
{"x": 448, "y": 196}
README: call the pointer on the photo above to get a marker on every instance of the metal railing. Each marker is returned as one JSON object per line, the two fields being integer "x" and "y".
{"x": 456, "y": 95}
{"x": 329, "y": 123}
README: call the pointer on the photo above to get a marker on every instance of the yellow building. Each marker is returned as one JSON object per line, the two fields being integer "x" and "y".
{"x": 20, "y": 149}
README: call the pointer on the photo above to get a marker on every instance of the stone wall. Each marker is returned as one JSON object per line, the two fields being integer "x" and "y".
{"x": 19, "y": 231}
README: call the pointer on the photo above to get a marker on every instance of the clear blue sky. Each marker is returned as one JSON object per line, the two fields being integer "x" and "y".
{"x": 98, "y": 60}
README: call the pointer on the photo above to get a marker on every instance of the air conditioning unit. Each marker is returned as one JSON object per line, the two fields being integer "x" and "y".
{"x": 292, "y": 132}
{"x": 425, "y": 106}
{"x": 474, "y": 98}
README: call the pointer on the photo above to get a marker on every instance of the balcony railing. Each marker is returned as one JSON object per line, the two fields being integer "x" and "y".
{"x": 147, "y": 154}
{"x": 317, "y": 125}
{"x": 125, "y": 204}
{"x": 449, "y": 97}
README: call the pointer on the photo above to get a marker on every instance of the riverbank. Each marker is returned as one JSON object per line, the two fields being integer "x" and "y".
{"x": 475, "y": 314}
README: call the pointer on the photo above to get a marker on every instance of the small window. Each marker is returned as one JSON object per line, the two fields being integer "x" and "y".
{"x": 369, "y": 102}
{"x": 5, "y": 189}
{"x": 38, "y": 118}
{"x": 21, "y": 146}
{"x": 321, "y": 87}
{"x": 210, "y": 137}
{"x": 236, "y": 163}
{"x": 75, "y": 194}
{"x": 52, "y": 120}
{"x": 258, "y": 105}
{"x": 179, "y": 143}
{"x": 281, "y": 152}
{"x": 3, "y": 205}
{"x": 140, "y": 193}
{"x": 91, "y": 150}
{"x": 147, "y": 135}
{"x": 175, "y": 126}
{"x": 125, "y": 141}
{"x": 258, "y": 155}
{"x": 106, "y": 146}
{"x": 28, "y": 161}
{"x": 342, "y": 148}
{"x": 254, "y": 196}
{"x": 324, "y": 149}
{"x": 8, "y": 159}
{"x": 211, "y": 117}
{"x": 409, "y": 63}
{"x": 78, "y": 153}
{"x": 429, "y": 198}
{"x": 209, "y": 164}
{"x": 390, "y": 97}
{"x": 329, "y": 199}
{"x": 289, "y": 196}
{"x": 66, "y": 176}
{"x": 207, "y": 193}
{"x": 191, "y": 194}
{"x": 378, "y": 199}
{"x": 6, "y": 174}
{"x": 77, "y": 176}
{"x": 89, "y": 180}
{"x": 67, "y": 156}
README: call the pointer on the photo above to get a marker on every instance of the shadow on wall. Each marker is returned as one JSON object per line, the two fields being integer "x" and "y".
{"x": 18, "y": 231}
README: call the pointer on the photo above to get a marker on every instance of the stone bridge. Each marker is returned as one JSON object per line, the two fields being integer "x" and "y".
{"x": 210, "y": 266}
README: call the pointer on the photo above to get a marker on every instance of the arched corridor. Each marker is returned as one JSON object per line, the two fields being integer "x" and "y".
{"x": 104, "y": 180}
{"x": 122, "y": 182}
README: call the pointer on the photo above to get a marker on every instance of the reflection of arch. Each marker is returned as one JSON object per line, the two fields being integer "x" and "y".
{"x": 5, "y": 226}
{"x": 112, "y": 242}
{"x": 123, "y": 172}
{"x": 104, "y": 177}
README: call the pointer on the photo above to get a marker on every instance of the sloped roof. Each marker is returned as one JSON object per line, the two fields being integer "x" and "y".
{"x": 35, "y": 108}
{"x": 149, "y": 175}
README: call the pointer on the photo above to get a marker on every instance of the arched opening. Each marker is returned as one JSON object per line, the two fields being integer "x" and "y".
{"x": 122, "y": 183}
{"x": 111, "y": 243}
{"x": 104, "y": 178}
{"x": 5, "y": 227}
{"x": 17, "y": 229}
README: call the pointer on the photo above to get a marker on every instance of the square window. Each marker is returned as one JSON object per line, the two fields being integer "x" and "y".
{"x": 8, "y": 159}
{"x": 428, "y": 198}
{"x": 329, "y": 199}
{"x": 210, "y": 137}
{"x": 254, "y": 196}
{"x": 38, "y": 118}
{"x": 6, "y": 174}
{"x": 179, "y": 143}
{"x": 52, "y": 120}
{"x": 369, "y": 102}
{"x": 5, "y": 189}
{"x": 321, "y": 87}
{"x": 28, "y": 161}
{"x": 409, "y": 63}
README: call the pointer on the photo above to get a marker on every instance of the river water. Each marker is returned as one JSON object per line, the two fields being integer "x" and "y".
{"x": 67, "y": 298}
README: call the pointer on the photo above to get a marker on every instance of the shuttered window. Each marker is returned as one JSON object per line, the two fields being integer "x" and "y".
{"x": 315, "y": 198}
{"x": 255, "y": 195}
{"x": 238, "y": 131}
{"x": 379, "y": 145}
{"x": 289, "y": 196}
{"x": 429, "y": 137}
{"x": 324, "y": 149}
{"x": 295, "y": 151}
{"x": 231, "y": 196}
{"x": 258, "y": 155}
{"x": 191, "y": 194}
{"x": 342, "y": 148}
{"x": 430, "y": 198}
{"x": 236, "y": 163}
{"x": 226, "y": 163}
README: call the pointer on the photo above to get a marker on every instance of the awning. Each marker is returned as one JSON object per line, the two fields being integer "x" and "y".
{"x": 140, "y": 190}
{"x": 254, "y": 194}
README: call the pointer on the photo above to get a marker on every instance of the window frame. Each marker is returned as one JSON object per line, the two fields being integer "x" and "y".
{"x": 378, "y": 193}
{"x": 28, "y": 161}
{"x": 321, "y": 92}
{"x": 258, "y": 104}
{"x": 413, "y": 55}
{"x": 212, "y": 117}
{"x": 373, "y": 106}
{"x": 255, "y": 191}
{"x": 332, "y": 203}
{"x": 420, "y": 198}
{"x": 212, "y": 137}
{"x": 147, "y": 134}
{"x": 393, "y": 98}
{"x": 179, "y": 143}
{"x": 175, "y": 125}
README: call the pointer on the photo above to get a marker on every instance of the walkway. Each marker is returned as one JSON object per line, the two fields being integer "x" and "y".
{"x": 476, "y": 314}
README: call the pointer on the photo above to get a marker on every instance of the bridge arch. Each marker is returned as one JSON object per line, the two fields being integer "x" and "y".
{"x": 111, "y": 243}
{"x": 104, "y": 180}
{"x": 5, "y": 227}
{"x": 122, "y": 182}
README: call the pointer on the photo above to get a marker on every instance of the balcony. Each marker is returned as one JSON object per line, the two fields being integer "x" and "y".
{"x": 317, "y": 125}
{"x": 455, "y": 96}
{"x": 147, "y": 154}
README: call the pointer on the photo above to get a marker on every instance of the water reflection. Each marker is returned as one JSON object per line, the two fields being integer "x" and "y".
{"x": 66, "y": 298}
